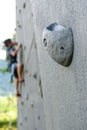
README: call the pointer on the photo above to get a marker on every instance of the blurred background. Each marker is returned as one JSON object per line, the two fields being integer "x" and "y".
{"x": 8, "y": 101}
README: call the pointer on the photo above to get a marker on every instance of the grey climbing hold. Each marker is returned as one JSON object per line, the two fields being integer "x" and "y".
{"x": 26, "y": 71}
{"x": 21, "y": 123}
{"x": 38, "y": 117}
{"x": 20, "y": 11}
{"x": 25, "y": 118}
{"x": 35, "y": 76}
{"x": 22, "y": 103}
{"x": 32, "y": 105}
{"x": 19, "y": 26}
{"x": 24, "y": 5}
{"x": 58, "y": 41}
{"x": 40, "y": 85}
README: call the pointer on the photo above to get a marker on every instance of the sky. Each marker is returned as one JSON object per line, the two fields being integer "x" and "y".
{"x": 7, "y": 19}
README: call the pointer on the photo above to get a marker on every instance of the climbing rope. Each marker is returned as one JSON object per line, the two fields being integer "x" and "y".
{"x": 28, "y": 58}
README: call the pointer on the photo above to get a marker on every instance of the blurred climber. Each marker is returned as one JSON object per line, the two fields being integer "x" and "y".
{"x": 13, "y": 66}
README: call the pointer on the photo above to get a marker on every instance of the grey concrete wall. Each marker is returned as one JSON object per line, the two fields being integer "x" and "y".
{"x": 64, "y": 88}
{"x": 30, "y": 104}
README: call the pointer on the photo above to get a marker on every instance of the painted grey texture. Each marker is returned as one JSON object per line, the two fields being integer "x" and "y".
{"x": 58, "y": 41}
{"x": 31, "y": 114}
{"x": 64, "y": 102}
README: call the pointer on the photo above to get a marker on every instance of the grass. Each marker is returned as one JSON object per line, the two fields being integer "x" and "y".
{"x": 8, "y": 113}
{"x": 4, "y": 70}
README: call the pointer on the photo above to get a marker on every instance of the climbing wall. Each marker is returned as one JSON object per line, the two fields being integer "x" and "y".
{"x": 30, "y": 104}
{"x": 54, "y": 96}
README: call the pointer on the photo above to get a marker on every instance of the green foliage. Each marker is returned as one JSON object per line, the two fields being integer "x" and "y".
{"x": 8, "y": 113}
{"x": 4, "y": 70}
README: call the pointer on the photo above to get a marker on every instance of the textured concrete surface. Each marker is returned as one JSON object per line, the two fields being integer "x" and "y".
{"x": 30, "y": 106}
{"x": 64, "y": 90}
